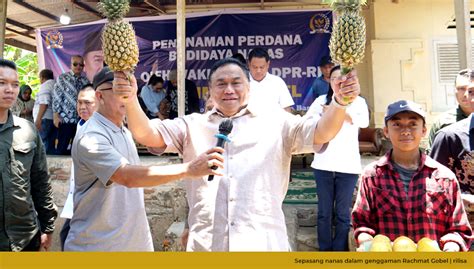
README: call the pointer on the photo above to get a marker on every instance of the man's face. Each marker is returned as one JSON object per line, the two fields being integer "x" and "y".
{"x": 174, "y": 82}
{"x": 405, "y": 130}
{"x": 86, "y": 103}
{"x": 462, "y": 93}
{"x": 229, "y": 89}
{"x": 9, "y": 87}
{"x": 326, "y": 70}
{"x": 173, "y": 77}
{"x": 93, "y": 63}
{"x": 157, "y": 87}
{"x": 258, "y": 68}
{"x": 110, "y": 104}
{"x": 77, "y": 65}
{"x": 470, "y": 94}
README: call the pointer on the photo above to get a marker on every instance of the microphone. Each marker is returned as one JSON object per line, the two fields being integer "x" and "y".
{"x": 225, "y": 127}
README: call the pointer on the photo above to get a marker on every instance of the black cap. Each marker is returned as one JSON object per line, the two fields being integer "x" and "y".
{"x": 403, "y": 106}
{"x": 325, "y": 60}
{"x": 104, "y": 75}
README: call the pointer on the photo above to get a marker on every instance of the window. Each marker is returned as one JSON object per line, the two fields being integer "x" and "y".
{"x": 446, "y": 68}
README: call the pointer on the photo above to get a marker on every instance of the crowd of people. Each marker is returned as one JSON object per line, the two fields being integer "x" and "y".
{"x": 406, "y": 192}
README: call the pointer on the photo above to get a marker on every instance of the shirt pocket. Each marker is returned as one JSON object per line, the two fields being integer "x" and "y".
{"x": 22, "y": 158}
{"x": 385, "y": 203}
{"x": 437, "y": 204}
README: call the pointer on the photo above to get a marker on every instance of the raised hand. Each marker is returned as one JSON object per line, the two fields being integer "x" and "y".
{"x": 125, "y": 85}
{"x": 347, "y": 88}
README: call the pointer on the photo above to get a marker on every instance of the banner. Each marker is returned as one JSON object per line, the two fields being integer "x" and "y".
{"x": 237, "y": 260}
{"x": 296, "y": 41}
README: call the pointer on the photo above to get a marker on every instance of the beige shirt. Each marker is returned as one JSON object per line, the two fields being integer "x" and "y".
{"x": 242, "y": 210}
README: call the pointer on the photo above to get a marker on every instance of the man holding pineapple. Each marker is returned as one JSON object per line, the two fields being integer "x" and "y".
{"x": 109, "y": 207}
{"x": 240, "y": 210}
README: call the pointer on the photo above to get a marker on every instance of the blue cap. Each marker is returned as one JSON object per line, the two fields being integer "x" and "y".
{"x": 403, "y": 106}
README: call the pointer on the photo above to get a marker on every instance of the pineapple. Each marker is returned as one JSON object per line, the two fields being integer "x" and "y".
{"x": 347, "y": 43}
{"x": 119, "y": 43}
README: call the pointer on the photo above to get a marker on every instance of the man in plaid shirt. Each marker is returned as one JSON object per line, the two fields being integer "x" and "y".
{"x": 408, "y": 193}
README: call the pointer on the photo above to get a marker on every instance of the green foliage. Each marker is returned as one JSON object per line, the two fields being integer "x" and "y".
{"x": 113, "y": 9}
{"x": 343, "y": 6}
{"x": 27, "y": 66}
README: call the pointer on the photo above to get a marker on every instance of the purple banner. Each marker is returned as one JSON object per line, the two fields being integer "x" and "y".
{"x": 296, "y": 41}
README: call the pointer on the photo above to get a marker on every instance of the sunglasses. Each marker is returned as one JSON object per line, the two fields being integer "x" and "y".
{"x": 76, "y": 64}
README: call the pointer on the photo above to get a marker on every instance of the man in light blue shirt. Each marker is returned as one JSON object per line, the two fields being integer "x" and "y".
{"x": 320, "y": 85}
{"x": 152, "y": 94}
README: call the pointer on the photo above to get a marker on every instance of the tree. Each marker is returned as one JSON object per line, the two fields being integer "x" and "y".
{"x": 27, "y": 66}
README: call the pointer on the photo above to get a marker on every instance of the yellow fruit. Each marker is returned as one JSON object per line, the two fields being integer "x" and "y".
{"x": 403, "y": 244}
{"x": 380, "y": 246}
{"x": 425, "y": 244}
{"x": 347, "y": 43}
{"x": 382, "y": 238}
{"x": 118, "y": 37}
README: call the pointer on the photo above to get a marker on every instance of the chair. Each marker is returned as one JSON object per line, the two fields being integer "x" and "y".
{"x": 370, "y": 141}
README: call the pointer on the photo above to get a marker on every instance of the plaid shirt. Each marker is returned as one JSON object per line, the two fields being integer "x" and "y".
{"x": 432, "y": 208}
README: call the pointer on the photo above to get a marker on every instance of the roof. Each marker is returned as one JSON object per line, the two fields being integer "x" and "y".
{"x": 23, "y": 17}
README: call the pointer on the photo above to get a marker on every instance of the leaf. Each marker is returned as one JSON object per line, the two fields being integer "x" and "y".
{"x": 27, "y": 66}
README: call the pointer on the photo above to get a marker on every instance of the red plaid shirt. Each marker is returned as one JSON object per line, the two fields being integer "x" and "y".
{"x": 432, "y": 208}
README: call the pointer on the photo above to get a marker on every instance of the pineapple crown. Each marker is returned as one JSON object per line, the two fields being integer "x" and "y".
{"x": 345, "y": 5}
{"x": 114, "y": 9}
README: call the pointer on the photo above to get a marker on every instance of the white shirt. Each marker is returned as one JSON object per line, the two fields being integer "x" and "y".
{"x": 68, "y": 209}
{"x": 342, "y": 154}
{"x": 242, "y": 210}
{"x": 270, "y": 90}
{"x": 44, "y": 97}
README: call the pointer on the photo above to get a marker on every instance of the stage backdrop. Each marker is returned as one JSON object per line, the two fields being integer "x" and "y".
{"x": 296, "y": 41}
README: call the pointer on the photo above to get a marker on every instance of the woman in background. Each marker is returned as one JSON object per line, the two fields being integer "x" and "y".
{"x": 24, "y": 104}
{"x": 337, "y": 169}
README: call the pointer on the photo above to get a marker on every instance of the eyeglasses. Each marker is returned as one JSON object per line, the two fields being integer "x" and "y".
{"x": 76, "y": 64}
